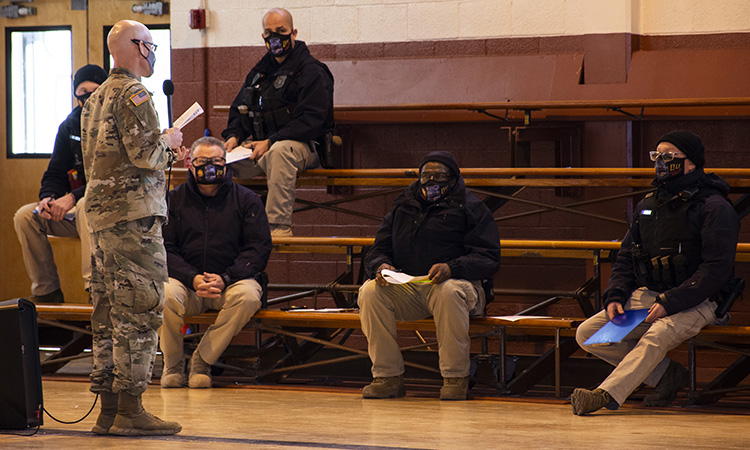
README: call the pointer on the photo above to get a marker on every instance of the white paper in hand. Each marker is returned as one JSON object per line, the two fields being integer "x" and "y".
{"x": 402, "y": 278}
{"x": 238, "y": 153}
{"x": 194, "y": 111}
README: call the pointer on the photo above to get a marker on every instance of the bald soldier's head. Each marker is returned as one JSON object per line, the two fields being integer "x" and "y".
{"x": 132, "y": 48}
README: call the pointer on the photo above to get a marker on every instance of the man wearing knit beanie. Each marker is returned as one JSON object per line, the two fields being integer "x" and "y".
{"x": 688, "y": 143}
{"x": 438, "y": 230}
{"x": 58, "y": 212}
{"x": 675, "y": 258}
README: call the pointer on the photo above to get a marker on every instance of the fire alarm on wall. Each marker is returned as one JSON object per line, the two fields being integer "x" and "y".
{"x": 197, "y": 19}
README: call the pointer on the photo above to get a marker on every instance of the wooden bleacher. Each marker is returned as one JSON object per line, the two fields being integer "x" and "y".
{"x": 289, "y": 323}
{"x": 526, "y": 111}
{"x": 320, "y": 329}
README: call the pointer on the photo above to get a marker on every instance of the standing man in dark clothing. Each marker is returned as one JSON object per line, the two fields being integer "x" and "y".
{"x": 218, "y": 243}
{"x": 60, "y": 211}
{"x": 282, "y": 113}
{"x": 676, "y": 256}
{"x": 437, "y": 227}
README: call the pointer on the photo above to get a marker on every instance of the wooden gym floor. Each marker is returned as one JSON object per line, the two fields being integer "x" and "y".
{"x": 284, "y": 417}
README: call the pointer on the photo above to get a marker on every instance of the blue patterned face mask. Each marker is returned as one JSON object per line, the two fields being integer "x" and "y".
{"x": 278, "y": 44}
{"x": 209, "y": 173}
{"x": 434, "y": 190}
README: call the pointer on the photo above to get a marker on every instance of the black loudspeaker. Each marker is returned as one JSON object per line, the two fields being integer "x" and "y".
{"x": 20, "y": 374}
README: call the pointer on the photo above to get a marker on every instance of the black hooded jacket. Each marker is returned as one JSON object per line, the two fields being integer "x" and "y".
{"x": 226, "y": 234}
{"x": 712, "y": 220}
{"x": 66, "y": 156}
{"x": 310, "y": 91}
{"x": 458, "y": 230}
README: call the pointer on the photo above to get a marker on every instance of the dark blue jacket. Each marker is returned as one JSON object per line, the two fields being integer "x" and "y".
{"x": 712, "y": 220}
{"x": 66, "y": 156}
{"x": 227, "y": 234}
{"x": 458, "y": 230}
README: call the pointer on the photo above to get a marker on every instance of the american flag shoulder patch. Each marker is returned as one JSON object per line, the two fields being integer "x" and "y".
{"x": 139, "y": 97}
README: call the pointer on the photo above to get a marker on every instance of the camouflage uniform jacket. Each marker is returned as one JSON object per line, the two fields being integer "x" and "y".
{"x": 124, "y": 154}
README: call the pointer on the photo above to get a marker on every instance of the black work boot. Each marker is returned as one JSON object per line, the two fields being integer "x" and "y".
{"x": 108, "y": 401}
{"x": 673, "y": 381}
{"x": 55, "y": 296}
{"x": 133, "y": 420}
{"x": 584, "y": 401}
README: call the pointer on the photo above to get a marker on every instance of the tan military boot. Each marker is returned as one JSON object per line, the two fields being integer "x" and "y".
{"x": 174, "y": 377}
{"x": 133, "y": 420}
{"x": 454, "y": 388}
{"x": 108, "y": 401}
{"x": 584, "y": 401}
{"x": 385, "y": 387}
{"x": 200, "y": 372}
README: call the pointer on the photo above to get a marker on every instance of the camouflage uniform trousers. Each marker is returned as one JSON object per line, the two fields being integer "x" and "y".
{"x": 129, "y": 268}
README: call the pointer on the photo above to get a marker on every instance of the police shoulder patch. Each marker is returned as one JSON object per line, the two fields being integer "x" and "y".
{"x": 140, "y": 97}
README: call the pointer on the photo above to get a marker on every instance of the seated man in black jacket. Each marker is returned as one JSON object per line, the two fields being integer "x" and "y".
{"x": 438, "y": 228}
{"x": 282, "y": 112}
{"x": 217, "y": 241}
{"x": 60, "y": 210}
{"x": 676, "y": 255}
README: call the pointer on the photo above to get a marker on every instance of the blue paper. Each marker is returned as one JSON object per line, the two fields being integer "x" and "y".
{"x": 619, "y": 327}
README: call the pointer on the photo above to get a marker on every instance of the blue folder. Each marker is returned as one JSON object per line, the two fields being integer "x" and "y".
{"x": 619, "y": 327}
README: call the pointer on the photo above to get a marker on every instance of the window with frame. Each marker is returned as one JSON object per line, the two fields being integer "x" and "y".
{"x": 39, "y": 91}
{"x": 162, "y": 69}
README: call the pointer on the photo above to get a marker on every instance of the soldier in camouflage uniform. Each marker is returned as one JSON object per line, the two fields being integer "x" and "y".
{"x": 125, "y": 156}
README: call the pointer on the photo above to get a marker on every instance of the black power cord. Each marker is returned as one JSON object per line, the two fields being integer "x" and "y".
{"x": 75, "y": 421}
{"x": 42, "y": 409}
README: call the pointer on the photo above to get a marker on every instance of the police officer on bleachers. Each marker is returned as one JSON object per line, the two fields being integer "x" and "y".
{"x": 283, "y": 112}
{"x": 60, "y": 210}
{"x": 677, "y": 255}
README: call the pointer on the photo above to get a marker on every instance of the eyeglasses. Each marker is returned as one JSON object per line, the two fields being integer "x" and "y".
{"x": 437, "y": 176}
{"x": 216, "y": 160}
{"x": 666, "y": 156}
{"x": 149, "y": 45}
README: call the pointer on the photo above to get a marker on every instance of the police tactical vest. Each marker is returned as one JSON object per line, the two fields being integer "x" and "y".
{"x": 266, "y": 101}
{"x": 670, "y": 253}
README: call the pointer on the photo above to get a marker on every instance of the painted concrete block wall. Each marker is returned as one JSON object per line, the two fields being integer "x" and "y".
{"x": 237, "y": 22}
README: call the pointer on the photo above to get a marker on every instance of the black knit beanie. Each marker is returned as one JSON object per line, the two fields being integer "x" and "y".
{"x": 444, "y": 158}
{"x": 89, "y": 72}
{"x": 688, "y": 143}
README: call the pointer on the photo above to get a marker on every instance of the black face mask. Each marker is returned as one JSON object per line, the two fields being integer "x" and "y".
{"x": 209, "y": 173}
{"x": 84, "y": 97}
{"x": 434, "y": 190}
{"x": 666, "y": 171}
{"x": 278, "y": 44}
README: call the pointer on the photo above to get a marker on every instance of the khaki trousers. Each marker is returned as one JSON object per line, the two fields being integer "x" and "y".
{"x": 32, "y": 231}
{"x": 281, "y": 164}
{"x": 642, "y": 356}
{"x": 236, "y": 307}
{"x": 450, "y": 303}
